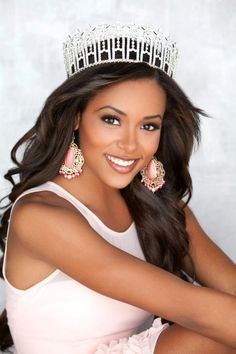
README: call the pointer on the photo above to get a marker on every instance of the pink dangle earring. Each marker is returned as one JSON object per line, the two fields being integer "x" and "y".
{"x": 74, "y": 160}
{"x": 152, "y": 175}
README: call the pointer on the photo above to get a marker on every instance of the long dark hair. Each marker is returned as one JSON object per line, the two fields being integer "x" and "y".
{"x": 159, "y": 217}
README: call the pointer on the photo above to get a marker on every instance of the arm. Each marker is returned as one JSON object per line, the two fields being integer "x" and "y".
{"x": 213, "y": 267}
{"x": 85, "y": 256}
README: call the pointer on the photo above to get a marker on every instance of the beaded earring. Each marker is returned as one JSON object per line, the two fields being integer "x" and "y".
{"x": 152, "y": 175}
{"x": 74, "y": 160}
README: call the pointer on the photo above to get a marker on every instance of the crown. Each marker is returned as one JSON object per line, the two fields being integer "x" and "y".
{"x": 119, "y": 43}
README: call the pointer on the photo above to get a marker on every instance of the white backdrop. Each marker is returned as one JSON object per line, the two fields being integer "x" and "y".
{"x": 31, "y": 66}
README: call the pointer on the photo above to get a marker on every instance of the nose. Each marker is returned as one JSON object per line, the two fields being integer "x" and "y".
{"x": 128, "y": 141}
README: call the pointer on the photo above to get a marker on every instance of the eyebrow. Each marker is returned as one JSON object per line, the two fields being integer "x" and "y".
{"x": 124, "y": 114}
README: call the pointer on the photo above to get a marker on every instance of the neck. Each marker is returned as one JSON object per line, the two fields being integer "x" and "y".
{"x": 104, "y": 201}
{"x": 90, "y": 193}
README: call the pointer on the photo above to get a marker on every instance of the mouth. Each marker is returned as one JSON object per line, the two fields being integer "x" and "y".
{"x": 122, "y": 165}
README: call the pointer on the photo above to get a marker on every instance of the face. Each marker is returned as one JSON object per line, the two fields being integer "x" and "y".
{"x": 120, "y": 131}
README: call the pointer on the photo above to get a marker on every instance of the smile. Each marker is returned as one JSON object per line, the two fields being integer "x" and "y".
{"x": 121, "y": 165}
{"x": 120, "y": 162}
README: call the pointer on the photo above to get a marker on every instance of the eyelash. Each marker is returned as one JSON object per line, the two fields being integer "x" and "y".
{"x": 108, "y": 118}
{"x": 154, "y": 127}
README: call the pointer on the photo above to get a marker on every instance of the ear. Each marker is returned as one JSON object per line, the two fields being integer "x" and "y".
{"x": 77, "y": 121}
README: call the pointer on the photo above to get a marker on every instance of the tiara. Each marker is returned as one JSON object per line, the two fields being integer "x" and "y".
{"x": 119, "y": 43}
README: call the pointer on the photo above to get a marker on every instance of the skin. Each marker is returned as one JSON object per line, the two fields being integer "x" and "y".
{"x": 130, "y": 135}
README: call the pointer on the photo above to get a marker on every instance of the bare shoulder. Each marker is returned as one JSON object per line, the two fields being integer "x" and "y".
{"x": 213, "y": 267}
{"x": 48, "y": 227}
{"x": 40, "y": 200}
{"x": 25, "y": 266}
{"x": 191, "y": 220}
{"x": 35, "y": 214}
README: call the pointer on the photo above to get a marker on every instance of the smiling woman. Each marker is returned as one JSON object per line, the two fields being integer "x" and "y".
{"x": 98, "y": 238}
{"x": 127, "y": 132}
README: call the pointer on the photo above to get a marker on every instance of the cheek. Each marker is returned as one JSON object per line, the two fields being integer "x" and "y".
{"x": 93, "y": 140}
{"x": 92, "y": 131}
{"x": 150, "y": 145}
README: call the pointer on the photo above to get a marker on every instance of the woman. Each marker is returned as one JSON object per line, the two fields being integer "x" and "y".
{"x": 100, "y": 237}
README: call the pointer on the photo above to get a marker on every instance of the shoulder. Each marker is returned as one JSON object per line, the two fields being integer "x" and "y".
{"x": 41, "y": 214}
{"x": 40, "y": 199}
{"x": 37, "y": 204}
{"x": 190, "y": 218}
{"x": 212, "y": 266}
{"x": 191, "y": 222}
{"x": 196, "y": 233}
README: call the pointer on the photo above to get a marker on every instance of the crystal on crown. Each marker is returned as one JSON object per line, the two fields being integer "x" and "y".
{"x": 119, "y": 43}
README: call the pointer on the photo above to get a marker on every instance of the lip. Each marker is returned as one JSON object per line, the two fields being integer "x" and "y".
{"x": 121, "y": 169}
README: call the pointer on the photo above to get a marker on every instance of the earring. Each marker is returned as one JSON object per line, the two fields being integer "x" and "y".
{"x": 152, "y": 175}
{"x": 74, "y": 160}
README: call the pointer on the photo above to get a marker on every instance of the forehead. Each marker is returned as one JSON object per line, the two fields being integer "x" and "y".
{"x": 143, "y": 95}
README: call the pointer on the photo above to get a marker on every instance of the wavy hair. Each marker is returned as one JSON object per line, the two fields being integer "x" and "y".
{"x": 159, "y": 216}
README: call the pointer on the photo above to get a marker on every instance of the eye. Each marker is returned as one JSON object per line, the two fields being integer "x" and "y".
{"x": 112, "y": 120}
{"x": 150, "y": 127}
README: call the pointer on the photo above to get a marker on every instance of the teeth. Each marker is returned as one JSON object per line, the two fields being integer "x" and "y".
{"x": 120, "y": 162}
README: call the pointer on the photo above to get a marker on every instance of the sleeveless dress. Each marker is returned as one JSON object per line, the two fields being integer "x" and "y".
{"x": 59, "y": 315}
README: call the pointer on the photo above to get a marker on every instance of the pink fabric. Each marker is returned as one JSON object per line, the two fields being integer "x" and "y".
{"x": 141, "y": 343}
{"x": 61, "y": 316}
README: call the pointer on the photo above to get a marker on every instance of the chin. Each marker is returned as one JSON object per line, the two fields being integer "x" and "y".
{"x": 119, "y": 184}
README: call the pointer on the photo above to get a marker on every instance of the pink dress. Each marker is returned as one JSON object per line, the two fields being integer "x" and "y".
{"x": 59, "y": 315}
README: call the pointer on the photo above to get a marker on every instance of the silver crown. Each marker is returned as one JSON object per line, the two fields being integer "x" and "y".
{"x": 119, "y": 43}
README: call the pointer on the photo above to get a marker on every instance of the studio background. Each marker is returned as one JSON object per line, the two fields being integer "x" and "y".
{"x": 31, "y": 66}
